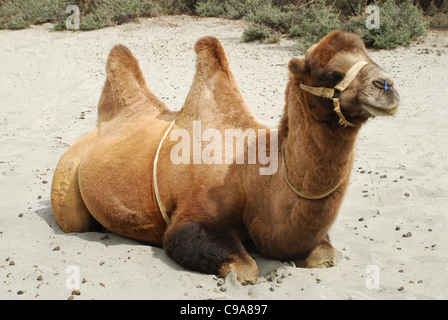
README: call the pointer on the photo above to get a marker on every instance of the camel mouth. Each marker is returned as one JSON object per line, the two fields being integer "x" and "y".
{"x": 378, "y": 111}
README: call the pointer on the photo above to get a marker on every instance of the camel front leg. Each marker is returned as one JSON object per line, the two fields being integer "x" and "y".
{"x": 209, "y": 248}
{"x": 322, "y": 256}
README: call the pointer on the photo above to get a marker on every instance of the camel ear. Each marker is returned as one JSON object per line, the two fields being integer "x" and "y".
{"x": 125, "y": 76}
{"x": 298, "y": 67}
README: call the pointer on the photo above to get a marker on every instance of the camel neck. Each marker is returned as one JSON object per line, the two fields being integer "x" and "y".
{"x": 318, "y": 155}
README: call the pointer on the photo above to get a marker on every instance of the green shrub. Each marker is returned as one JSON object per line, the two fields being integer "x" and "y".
{"x": 18, "y": 22}
{"x": 399, "y": 25}
{"x": 232, "y": 9}
{"x": 437, "y": 17}
{"x": 150, "y": 9}
{"x": 95, "y": 14}
{"x": 21, "y": 14}
{"x": 176, "y": 6}
{"x": 274, "y": 37}
{"x": 439, "y": 21}
{"x": 97, "y": 19}
{"x": 348, "y": 7}
{"x": 272, "y": 17}
{"x": 235, "y": 9}
{"x": 317, "y": 21}
{"x": 256, "y": 32}
{"x": 307, "y": 21}
{"x": 125, "y": 10}
{"x": 210, "y": 8}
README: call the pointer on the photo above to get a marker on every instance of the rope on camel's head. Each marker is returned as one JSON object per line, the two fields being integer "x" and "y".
{"x": 329, "y": 93}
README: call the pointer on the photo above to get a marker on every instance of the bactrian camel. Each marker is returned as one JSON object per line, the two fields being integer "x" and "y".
{"x": 204, "y": 214}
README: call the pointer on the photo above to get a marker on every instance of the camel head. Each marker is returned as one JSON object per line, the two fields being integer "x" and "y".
{"x": 338, "y": 75}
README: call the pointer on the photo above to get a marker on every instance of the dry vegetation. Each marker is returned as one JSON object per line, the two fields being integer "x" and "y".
{"x": 402, "y": 21}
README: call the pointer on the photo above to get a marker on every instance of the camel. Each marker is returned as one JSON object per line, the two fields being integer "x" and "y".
{"x": 121, "y": 176}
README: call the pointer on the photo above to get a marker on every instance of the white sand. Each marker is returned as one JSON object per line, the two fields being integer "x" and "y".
{"x": 49, "y": 79}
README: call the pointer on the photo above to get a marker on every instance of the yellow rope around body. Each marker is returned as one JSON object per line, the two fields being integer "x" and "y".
{"x": 297, "y": 192}
{"x": 156, "y": 189}
{"x": 328, "y": 93}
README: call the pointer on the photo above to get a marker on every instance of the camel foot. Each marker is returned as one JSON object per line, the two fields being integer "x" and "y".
{"x": 246, "y": 271}
{"x": 322, "y": 256}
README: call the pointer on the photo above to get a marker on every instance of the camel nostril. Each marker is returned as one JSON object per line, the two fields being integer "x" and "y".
{"x": 383, "y": 84}
{"x": 380, "y": 84}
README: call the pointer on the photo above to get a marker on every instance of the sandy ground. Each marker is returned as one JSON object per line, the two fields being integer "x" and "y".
{"x": 391, "y": 232}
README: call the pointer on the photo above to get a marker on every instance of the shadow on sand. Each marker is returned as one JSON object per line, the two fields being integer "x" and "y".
{"x": 103, "y": 236}
{"x": 108, "y": 238}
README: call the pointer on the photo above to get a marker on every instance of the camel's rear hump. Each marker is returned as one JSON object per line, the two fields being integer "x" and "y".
{"x": 125, "y": 87}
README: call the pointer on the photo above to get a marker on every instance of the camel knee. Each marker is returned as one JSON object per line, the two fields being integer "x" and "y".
{"x": 211, "y": 249}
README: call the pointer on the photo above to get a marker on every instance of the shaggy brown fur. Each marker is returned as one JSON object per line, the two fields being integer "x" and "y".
{"x": 106, "y": 177}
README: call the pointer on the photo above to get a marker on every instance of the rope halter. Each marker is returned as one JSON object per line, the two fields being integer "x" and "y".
{"x": 329, "y": 93}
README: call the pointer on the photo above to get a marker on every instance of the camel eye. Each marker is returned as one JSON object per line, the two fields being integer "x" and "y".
{"x": 330, "y": 77}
